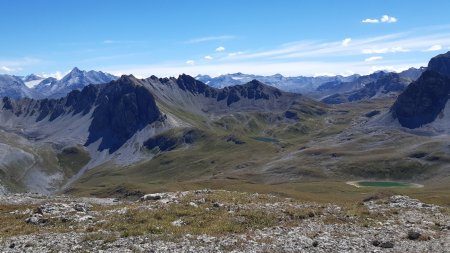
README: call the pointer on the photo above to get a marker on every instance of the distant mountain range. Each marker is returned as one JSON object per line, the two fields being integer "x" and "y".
{"x": 329, "y": 89}
{"x": 34, "y": 86}
{"x": 299, "y": 84}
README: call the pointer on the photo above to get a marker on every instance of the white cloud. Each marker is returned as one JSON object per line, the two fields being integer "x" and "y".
{"x": 210, "y": 38}
{"x": 375, "y": 51}
{"x": 412, "y": 41}
{"x": 346, "y": 42}
{"x": 385, "y": 50}
{"x": 6, "y": 69}
{"x": 235, "y": 53}
{"x": 434, "y": 48}
{"x": 399, "y": 49}
{"x": 373, "y": 58}
{"x": 383, "y": 19}
{"x": 391, "y": 68}
{"x": 58, "y": 75}
{"x": 370, "y": 21}
{"x": 220, "y": 49}
{"x": 208, "y": 57}
{"x": 311, "y": 57}
{"x": 190, "y": 62}
{"x": 388, "y": 19}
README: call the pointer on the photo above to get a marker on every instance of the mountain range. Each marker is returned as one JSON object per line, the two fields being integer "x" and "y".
{"x": 128, "y": 134}
{"x": 298, "y": 84}
{"x": 33, "y": 86}
{"x": 329, "y": 89}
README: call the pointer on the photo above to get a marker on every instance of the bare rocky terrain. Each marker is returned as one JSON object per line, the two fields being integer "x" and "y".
{"x": 220, "y": 221}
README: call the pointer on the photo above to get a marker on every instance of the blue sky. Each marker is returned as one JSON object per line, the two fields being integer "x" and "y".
{"x": 166, "y": 38}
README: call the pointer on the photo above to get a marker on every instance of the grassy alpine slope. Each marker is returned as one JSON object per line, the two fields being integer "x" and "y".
{"x": 313, "y": 156}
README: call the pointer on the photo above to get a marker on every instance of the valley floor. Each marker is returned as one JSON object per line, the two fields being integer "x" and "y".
{"x": 220, "y": 221}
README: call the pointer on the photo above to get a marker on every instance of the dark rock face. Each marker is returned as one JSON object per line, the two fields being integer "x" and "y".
{"x": 186, "y": 82}
{"x": 75, "y": 102}
{"x": 82, "y": 101}
{"x": 423, "y": 100}
{"x": 122, "y": 108}
{"x": 440, "y": 64}
{"x": 253, "y": 90}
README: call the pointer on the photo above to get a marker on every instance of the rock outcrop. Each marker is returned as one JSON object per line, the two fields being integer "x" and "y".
{"x": 122, "y": 108}
{"x": 424, "y": 100}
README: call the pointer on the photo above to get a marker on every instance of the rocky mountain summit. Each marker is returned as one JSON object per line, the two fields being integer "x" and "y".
{"x": 426, "y": 99}
{"x": 220, "y": 221}
{"x": 76, "y": 79}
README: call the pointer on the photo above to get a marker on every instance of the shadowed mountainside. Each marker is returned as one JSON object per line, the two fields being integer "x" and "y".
{"x": 425, "y": 99}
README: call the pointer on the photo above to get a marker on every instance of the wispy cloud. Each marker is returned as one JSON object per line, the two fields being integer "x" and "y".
{"x": 391, "y": 43}
{"x": 6, "y": 69}
{"x": 15, "y": 65}
{"x": 351, "y": 55}
{"x": 346, "y": 42}
{"x": 373, "y": 58}
{"x": 208, "y": 57}
{"x": 235, "y": 53}
{"x": 434, "y": 48}
{"x": 383, "y": 19}
{"x": 210, "y": 38}
{"x": 371, "y": 20}
{"x": 220, "y": 49}
{"x": 385, "y": 50}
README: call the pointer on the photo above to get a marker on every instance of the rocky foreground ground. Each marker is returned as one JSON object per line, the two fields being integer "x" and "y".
{"x": 220, "y": 221}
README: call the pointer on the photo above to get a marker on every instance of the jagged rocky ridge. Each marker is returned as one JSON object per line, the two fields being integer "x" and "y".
{"x": 119, "y": 109}
{"x": 425, "y": 99}
{"x": 389, "y": 83}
